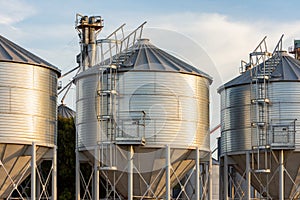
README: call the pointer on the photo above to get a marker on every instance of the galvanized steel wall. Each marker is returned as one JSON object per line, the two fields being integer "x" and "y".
{"x": 28, "y": 104}
{"x": 236, "y": 134}
{"x": 176, "y": 107}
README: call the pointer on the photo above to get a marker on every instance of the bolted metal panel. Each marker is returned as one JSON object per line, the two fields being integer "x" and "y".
{"x": 235, "y": 119}
{"x": 28, "y": 93}
{"x": 285, "y": 98}
{"x": 235, "y": 113}
{"x": 175, "y": 105}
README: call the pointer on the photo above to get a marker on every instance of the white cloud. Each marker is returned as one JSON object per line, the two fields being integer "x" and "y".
{"x": 14, "y": 11}
{"x": 226, "y": 40}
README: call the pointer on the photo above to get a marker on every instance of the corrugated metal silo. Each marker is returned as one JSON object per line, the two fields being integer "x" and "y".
{"x": 128, "y": 111}
{"x": 65, "y": 112}
{"x": 259, "y": 132}
{"x": 28, "y": 88}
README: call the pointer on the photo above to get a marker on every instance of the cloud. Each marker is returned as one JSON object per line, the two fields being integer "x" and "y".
{"x": 227, "y": 40}
{"x": 14, "y": 11}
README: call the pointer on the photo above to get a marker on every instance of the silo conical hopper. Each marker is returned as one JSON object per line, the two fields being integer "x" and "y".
{"x": 28, "y": 88}
{"x": 158, "y": 100}
{"x": 274, "y": 171}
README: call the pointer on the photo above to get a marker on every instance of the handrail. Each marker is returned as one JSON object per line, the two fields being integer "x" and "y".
{"x": 278, "y": 46}
{"x": 116, "y": 46}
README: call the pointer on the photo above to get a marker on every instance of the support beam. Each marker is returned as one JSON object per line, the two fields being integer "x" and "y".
{"x": 168, "y": 173}
{"x": 221, "y": 177}
{"x": 130, "y": 172}
{"x": 77, "y": 176}
{"x": 225, "y": 177}
{"x": 33, "y": 172}
{"x": 197, "y": 162}
{"x": 210, "y": 177}
{"x": 96, "y": 174}
{"x": 248, "y": 176}
{"x": 54, "y": 173}
{"x": 281, "y": 175}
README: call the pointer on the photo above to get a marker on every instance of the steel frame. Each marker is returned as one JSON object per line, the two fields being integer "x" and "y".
{"x": 240, "y": 186}
{"x": 38, "y": 183}
{"x": 201, "y": 184}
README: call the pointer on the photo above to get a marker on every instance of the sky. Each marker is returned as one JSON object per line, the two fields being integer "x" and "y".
{"x": 212, "y": 35}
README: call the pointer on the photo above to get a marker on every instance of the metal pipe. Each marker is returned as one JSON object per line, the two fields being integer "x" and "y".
{"x": 130, "y": 172}
{"x": 197, "y": 162}
{"x": 281, "y": 175}
{"x": 77, "y": 176}
{"x": 168, "y": 173}
{"x": 248, "y": 176}
{"x": 33, "y": 172}
{"x": 225, "y": 177}
{"x": 54, "y": 173}
{"x": 96, "y": 174}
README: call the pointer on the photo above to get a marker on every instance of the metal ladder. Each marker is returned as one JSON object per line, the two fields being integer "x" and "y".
{"x": 264, "y": 64}
{"x": 112, "y": 52}
{"x": 260, "y": 75}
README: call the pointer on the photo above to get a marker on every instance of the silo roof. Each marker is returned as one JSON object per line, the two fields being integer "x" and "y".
{"x": 65, "y": 112}
{"x": 288, "y": 69}
{"x": 11, "y": 52}
{"x": 144, "y": 56}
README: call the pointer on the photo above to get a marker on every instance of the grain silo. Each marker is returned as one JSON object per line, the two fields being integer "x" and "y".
{"x": 259, "y": 132}
{"x": 28, "y": 88}
{"x": 142, "y": 117}
{"x": 65, "y": 112}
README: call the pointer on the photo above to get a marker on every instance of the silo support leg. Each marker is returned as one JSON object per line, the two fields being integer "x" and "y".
{"x": 33, "y": 172}
{"x": 197, "y": 162}
{"x": 248, "y": 176}
{"x": 225, "y": 177}
{"x": 96, "y": 174}
{"x": 168, "y": 174}
{"x": 54, "y": 173}
{"x": 77, "y": 176}
{"x": 210, "y": 178}
{"x": 281, "y": 175}
{"x": 130, "y": 172}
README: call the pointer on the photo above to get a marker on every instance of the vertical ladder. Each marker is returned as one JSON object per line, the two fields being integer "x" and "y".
{"x": 260, "y": 75}
{"x": 264, "y": 64}
{"x": 113, "y": 51}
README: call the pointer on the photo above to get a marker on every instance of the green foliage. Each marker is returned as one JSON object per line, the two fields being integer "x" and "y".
{"x": 66, "y": 159}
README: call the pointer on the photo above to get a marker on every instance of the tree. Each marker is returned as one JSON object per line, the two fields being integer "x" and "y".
{"x": 66, "y": 158}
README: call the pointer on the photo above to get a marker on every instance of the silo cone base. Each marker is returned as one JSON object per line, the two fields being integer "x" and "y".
{"x": 15, "y": 160}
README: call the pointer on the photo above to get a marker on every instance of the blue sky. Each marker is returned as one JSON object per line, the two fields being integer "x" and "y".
{"x": 213, "y": 35}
